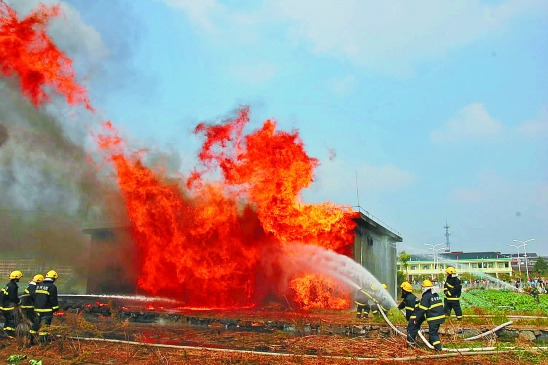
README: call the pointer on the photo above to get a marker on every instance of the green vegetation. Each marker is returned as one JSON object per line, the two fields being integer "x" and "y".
{"x": 504, "y": 301}
{"x": 541, "y": 267}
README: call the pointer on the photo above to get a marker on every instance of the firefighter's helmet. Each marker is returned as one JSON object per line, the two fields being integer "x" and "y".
{"x": 16, "y": 274}
{"x": 52, "y": 274}
{"x": 450, "y": 270}
{"x": 427, "y": 283}
{"x": 407, "y": 286}
{"x": 385, "y": 286}
{"x": 38, "y": 278}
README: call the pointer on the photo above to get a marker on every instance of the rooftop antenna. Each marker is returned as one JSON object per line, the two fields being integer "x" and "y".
{"x": 447, "y": 234}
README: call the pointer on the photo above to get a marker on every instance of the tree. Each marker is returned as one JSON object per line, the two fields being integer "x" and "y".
{"x": 400, "y": 277}
{"x": 404, "y": 259}
{"x": 541, "y": 267}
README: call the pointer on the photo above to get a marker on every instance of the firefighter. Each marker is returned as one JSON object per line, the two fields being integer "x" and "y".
{"x": 375, "y": 304}
{"x": 45, "y": 304}
{"x": 362, "y": 303}
{"x": 27, "y": 305}
{"x": 10, "y": 300}
{"x": 452, "y": 290}
{"x": 430, "y": 309}
{"x": 409, "y": 303}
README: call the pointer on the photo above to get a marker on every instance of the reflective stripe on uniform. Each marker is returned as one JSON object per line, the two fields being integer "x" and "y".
{"x": 449, "y": 285}
{"x": 423, "y": 307}
{"x": 412, "y": 317}
{"x": 32, "y": 332}
{"x": 27, "y": 306}
{"x": 55, "y": 307}
{"x": 453, "y": 298}
{"x": 43, "y": 310}
{"x": 42, "y": 333}
{"x": 410, "y": 308}
{"x": 436, "y": 305}
{"x": 40, "y": 291}
{"x": 6, "y": 308}
{"x": 434, "y": 318}
{"x": 435, "y": 343}
{"x": 9, "y": 329}
{"x": 366, "y": 293}
{"x": 358, "y": 303}
{"x": 5, "y": 291}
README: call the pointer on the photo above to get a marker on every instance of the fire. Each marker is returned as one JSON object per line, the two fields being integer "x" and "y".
{"x": 29, "y": 55}
{"x": 318, "y": 291}
{"x": 211, "y": 243}
{"x": 210, "y": 237}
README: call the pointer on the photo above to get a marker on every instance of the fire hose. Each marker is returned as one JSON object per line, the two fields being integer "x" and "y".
{"x": 432, "y": 347}
{"x": 466, "y": 352}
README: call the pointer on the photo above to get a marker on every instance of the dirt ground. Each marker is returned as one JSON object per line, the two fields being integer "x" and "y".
{"x": 180, "y": 343}
{"x": 386, "y": 352}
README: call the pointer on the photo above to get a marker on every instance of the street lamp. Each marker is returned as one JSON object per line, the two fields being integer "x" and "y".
{"x": 524, "y": 243}
{"x": 519, "y": 261}
{"x": 433, "y": 247}
{"x": 438, "y": 256}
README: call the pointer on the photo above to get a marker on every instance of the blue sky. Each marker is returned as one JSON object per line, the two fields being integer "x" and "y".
{"x": 440, "y": 109}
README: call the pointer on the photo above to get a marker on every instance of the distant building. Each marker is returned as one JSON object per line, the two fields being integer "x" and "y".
{"x": 375, "y": 249}
{"x": 518, "y": 263}
{"x": 475, "y": 263}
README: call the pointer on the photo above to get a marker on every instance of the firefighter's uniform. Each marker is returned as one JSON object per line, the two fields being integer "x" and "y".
{"x": 45, "y": 304}
{"x": 366, "y": 304}
{"x": 9, "y": 299}
{"x": 27, "y": 305}
{"x": 409, "y": 303}
{"x": 452, "y": 290}
{"x": 363, "y": 306}
{"x": 430, "y": 309}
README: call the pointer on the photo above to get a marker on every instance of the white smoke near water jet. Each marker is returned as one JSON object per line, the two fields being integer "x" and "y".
{"x": 315, "y": 259}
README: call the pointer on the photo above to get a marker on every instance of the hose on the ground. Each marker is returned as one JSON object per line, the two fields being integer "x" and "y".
{"x": 429, "y": 344}
{"x": 468, "y": 352}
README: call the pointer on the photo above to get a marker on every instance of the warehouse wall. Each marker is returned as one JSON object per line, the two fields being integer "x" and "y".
{"x": 375, "y": 249}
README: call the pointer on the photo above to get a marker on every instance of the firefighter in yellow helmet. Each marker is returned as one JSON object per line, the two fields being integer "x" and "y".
{"x": 452, "y": 290}
{"x": 9, "y": 299}
{"x": 27, "y": 305}
{"x": 409, "y": 303}
{"x": 376, "y": 304}
{"x": 430, "y": 309}
{"x": 45, "y": 304}
{"x": 366, "y": 303}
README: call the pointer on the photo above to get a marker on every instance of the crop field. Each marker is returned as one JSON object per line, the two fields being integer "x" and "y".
{"x": 504, "y": 301}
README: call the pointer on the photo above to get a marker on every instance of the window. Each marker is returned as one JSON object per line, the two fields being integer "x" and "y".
{"x": 413, "y": 267}
{"x": 425, "y": 267}
{"x": 490, "y": 265}
{"x": 474, "y": 266}
{"x": 500, "y": 265}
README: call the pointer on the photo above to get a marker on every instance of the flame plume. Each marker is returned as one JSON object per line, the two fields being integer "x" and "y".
{"x": 31, "y": 56}
{"x": 211, "y": 243}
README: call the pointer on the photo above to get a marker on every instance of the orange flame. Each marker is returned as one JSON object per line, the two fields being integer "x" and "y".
{"x": 212, "y": 244}
{"x": 31, "y": 56}
{"x": 318, "y": 291}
